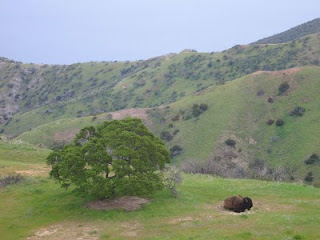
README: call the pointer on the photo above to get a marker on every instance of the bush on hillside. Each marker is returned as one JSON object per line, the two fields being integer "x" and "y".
{"x": 270, "y": 121}
{"x": 196, "y": 110}
{"x": 176, "y": 118}
{"x": 297, "y": 111}
{"x": 176, "y": 150}
{"x": 172, "y": 177}
{"x": 309, "y": 178}
{"x": 116, "y": 158}
{"x": 10, "y": 179}
{"x": 279, "y": 122}
{"x": 230, "y": 142}
{"x": 166, "y": 136}
{"x": 214, "y": 166}
{"x": 203, "y": 107}
{"x": 260, "y": 169}
{"x": 260, "y": 93}
{"x": 283, "y": 88}
{"x": 270, "y": 100}
{"x": 176, "y": 131}
{"x": 312, "y": 159}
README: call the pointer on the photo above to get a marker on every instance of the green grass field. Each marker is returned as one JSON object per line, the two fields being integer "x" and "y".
{"x": 38, "y": 208}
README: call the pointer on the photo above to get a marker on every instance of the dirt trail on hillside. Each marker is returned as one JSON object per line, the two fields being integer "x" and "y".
{"x": 280, "y": 72}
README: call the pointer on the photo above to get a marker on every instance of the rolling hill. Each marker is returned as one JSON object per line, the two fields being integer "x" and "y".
{"x": 33, "y": 95}
{"x": 238, "y": 110}
{"x": 294, "y": 33}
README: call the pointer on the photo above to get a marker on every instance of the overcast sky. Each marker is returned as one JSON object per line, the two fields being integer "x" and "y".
{"x": 70, "y": 31}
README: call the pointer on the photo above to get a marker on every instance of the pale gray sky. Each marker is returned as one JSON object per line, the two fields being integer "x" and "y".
{"x": 70, "y": 31}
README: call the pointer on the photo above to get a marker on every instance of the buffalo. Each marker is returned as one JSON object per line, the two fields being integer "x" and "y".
{"x": 237, "y": 203}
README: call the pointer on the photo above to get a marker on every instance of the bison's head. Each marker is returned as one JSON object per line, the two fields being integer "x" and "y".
{"x": 247, "y": 203}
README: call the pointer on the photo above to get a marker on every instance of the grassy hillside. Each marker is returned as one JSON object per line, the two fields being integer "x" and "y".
{"x": 39, "y": 94}
{"x": 42, "y": 210}
{"x": 238, "y": 110}
{"x": 20, "y": 157}
{"x": 294, "y": 33}
{"x": 38, "y": 208}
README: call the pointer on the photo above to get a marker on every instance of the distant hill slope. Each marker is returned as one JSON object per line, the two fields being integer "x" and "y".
{"x": 32, "y": 95}
{"x": 294, "y": 33}
{"x": 237, "y": 110}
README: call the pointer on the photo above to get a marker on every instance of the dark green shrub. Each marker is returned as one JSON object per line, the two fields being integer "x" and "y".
{"x": 176, "y": 150}
{"x": 279, "y": 122}
{"x": 172, "y": 177}
{"x": 176, "y": 118}
{"x": 166, "y": 136}
{"x": 283, "y": 88}
{"x": 10, "y": 179}
{"x": 230, "y": 142}
{"x": 312, "y": 159}
{"x": 196, "y": 110}
{"x": 260, "y": 93}
{"x": 175, "y": 132}
{"x": 270, "y": 121}
{"x": 297, "y": 111}
{"x": 309, "y": 178}
{"x": 203, "y": 107}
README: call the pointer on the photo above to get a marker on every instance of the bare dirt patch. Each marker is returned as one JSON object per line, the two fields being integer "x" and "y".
{"x": 180, "y": 220}
{"x": 68, "y": 230}
{"x": 281, "y": 72}
{"x": 67, "y": 135}
{"x": 130, "y": 229}
{"x": 32, "y": 172}
{"x": 132, "y": 112}
{"x": 126, "y": 203}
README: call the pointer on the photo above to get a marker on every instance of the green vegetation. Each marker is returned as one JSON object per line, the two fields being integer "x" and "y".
{"x": 117, "y": 158}
{"x": 234, "y": 111}
{"x": 280, "y": 211}
{"x": 44, "y": 93}
{"x": 231, "y": 142}
{"x": 39, "y": 206}
{"x": 293, "y": 33}
{"x": 20, "y": 157}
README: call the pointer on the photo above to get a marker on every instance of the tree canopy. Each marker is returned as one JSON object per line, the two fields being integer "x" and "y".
{"x": 118, "y": 157}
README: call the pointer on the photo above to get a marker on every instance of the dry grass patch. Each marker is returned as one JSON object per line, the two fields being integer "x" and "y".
{"x": 69, "y": 230}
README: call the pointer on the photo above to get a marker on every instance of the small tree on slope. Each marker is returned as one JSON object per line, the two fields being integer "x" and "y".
{"x": 120, "y": 157}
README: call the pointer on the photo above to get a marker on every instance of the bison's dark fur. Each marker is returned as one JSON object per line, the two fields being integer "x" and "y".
{"x": 237, "y": 203}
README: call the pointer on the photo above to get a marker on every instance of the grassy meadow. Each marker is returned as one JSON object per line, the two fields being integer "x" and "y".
{"x": 38, "y": 208}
